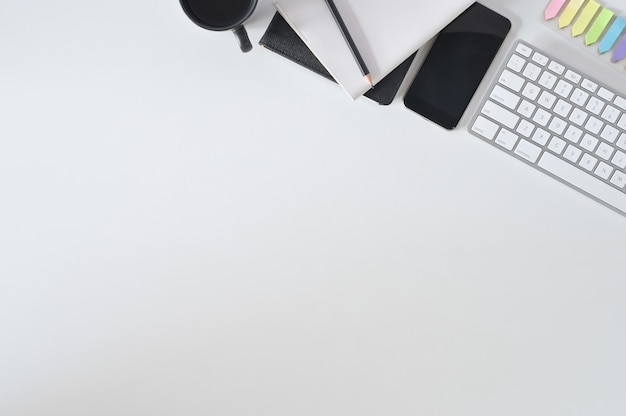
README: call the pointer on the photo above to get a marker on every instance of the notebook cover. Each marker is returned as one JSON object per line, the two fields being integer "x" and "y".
{"x": 280, "y": 38}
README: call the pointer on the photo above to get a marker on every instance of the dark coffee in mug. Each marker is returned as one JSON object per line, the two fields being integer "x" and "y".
{"x": 222, "y": 15}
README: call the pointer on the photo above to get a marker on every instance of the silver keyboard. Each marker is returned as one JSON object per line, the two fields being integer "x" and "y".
{"x": 559, "y": 120}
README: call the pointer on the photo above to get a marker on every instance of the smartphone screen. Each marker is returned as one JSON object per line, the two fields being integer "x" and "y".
{"x": 456, "y": 64}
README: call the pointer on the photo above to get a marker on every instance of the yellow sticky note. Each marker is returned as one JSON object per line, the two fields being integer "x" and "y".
{"x": 586, "y": 15}
{"x": 570, "y": 12}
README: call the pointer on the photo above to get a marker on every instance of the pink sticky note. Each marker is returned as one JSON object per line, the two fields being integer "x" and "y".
{"x": 553, "y": 9}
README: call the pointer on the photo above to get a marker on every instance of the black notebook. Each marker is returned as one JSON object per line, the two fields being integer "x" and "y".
{"x": 280, "y": 38}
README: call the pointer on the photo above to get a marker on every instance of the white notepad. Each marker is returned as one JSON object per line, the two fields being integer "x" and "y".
{"x": 386, "y": 33}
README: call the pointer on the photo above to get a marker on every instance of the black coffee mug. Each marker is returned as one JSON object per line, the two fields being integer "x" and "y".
{"x": 222, "y": 15}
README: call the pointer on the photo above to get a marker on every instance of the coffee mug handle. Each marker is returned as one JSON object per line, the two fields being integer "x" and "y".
{"x": 242, "y": 37}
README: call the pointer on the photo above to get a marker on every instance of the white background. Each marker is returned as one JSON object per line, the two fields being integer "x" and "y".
{"x": 189, "y": 230}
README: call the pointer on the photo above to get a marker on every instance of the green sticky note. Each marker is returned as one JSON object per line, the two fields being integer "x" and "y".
{"x": 598, "y": 26}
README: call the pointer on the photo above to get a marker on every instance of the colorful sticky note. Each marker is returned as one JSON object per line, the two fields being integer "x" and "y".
{"x": 598, "y": 26}
{"x": 554, "y": 7}
{"x": 585, "y": 17}
{"x": 570, "y": 12}
{"x": 612, "y": 35}
{"x": 619, "y": 52}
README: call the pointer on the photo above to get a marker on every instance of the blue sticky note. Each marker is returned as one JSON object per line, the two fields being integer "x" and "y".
{"x": 612, "y": 35}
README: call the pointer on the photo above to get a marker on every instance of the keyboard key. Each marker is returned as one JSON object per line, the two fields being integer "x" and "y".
{"x": 525, "y": 128}
{"x": 605, "y": 151}
{"x": 531, "y": 71}
{"x": 547, "y": 80}
{"x": 485, "y": 128}
{"x": 557, "y": 126}
{"x": 510, "y": 80}
{"x": 594, "y": 125}
{"x": 540, "y": 59}
{"x": 606, "y": 94}
{"x": 506, "y": 139}
{"x": 516, "y": 63}
{"x": 589, "y": 85}
{"x": 562, "y": 108}
{"x": 572, "y": 153}
{"x": 588, "y": 162}
{"x": 546, "y": 100}
{"x": 557, "y": 145}
{"x": 619, "y": 159}
{"x": 563, "y": 88}
{"x": 619, "y": 179}
{"x": 621, "y": 142}
{"x": 542, "y": 117}
{"x": 603, "y": 170}
{"x": 622, "y": 122}
{"x": 579, "y": 97}
{"x": 528, "y": 151}
{"x": 556, "y": 67}
{"x": 525, "y": 50}
{"x": 504, "y": 97}
{"x": 572, "y": 76}
{"x": 578, "y": 117}
{"x": 620, "y": 102}
{"x": 500, "y": 114}
{"x": 610, "y": 114}
{"x": 583, "y": 181}
{"x": 541, "y": 136}
{"x": 595, "y": 105}
{"x": 531, "y": 91}
{"x": 526, "y": 109}
{"x": 573, "y": 134}
{"x": 589, "y": 142}
{"x": 609, "y": 133}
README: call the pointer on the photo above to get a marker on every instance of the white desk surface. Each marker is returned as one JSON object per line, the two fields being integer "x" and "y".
{"x": 189, "y": 230}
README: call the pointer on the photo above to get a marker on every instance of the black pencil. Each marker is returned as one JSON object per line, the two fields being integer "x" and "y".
{"x": 350, "y": 42}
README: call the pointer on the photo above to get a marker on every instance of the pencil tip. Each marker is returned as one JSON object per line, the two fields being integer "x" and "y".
{"x": 368, "y": 79}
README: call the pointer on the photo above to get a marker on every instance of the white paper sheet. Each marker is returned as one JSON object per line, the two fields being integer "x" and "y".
{"x": 386, "y": 32}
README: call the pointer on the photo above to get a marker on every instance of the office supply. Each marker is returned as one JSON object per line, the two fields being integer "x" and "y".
{"x": 570, "y": 12}
{"x": 591, "y": 17}
{"x": 619, "y": 52}
{"x": 280, "y": 38}
{"x": 612, "y": 35}
{"x": 584, "y": 18}
{"x": 385, "y": 32}
{"x": 553, "y": 9}
{"x": 550, "y": 115}
{"x": 348, "y": 38}
{"x": 598, "y": 26}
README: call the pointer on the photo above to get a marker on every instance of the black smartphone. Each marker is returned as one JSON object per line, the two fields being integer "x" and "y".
{"x": 456, "y": 64}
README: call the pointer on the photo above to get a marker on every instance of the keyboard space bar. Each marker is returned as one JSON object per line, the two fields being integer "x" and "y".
{"x": 583, "y": 181}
